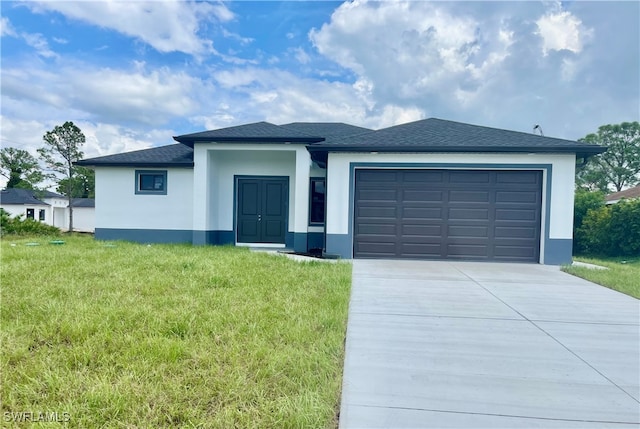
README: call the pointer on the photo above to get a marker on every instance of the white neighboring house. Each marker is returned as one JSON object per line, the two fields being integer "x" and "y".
{"x": 50, "y": 208}
{"x": 628, "y": 194}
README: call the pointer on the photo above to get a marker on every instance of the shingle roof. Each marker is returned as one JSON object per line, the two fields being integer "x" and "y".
{"x": 49, "y": 194}
{"x": 258, "y": 132}
{"x": 326, "y": 129}
{"x": 19, "y": 197}
{"x": 630, "y": 193}
{"x": 437, "y": 135}
{"x": 83, "y": 202}
{"x": 174, "y": 155}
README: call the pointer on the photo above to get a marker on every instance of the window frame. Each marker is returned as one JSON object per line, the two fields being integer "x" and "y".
{"x": 138, "y": 182}
{"x": 42, "y": 213}
{"x": 30, "y": 214}
{"x": 311, "y": 202}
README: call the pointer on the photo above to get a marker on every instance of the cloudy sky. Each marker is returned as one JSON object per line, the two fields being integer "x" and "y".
{"x": 132, "y": 74}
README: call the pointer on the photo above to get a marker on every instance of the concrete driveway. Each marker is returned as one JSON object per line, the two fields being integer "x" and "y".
{"x": 470, "y": 345}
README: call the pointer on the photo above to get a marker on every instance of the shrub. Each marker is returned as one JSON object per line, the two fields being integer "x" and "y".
{"x": 584, "y": 201}
{"x": 611, "y": 230}
{"x": 624, "y": 228}
{"x": 18, "y": 226}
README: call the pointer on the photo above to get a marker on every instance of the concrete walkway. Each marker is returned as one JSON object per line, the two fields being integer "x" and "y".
{"x": 471, "y": 345}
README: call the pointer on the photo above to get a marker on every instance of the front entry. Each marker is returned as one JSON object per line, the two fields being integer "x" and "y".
{"x": 262, "y": 209}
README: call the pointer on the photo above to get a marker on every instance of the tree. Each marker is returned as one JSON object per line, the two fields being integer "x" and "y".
{"x": 63, "y": 148}
{"x": 619, "y": 166}
{"x": 83, "y": 184}
{"x": 20, "y": 167}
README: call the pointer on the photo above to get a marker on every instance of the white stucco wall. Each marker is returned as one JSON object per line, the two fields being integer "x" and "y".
{"x": 562, "y": 182}
{"x": 19, "y": 209}
{"x": 84, "y": 219}
{"x": 118, "y": 206}
{"x": 216, "y": 166}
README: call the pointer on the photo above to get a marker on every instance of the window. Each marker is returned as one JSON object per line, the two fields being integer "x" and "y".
{"x": 151, "y": 182}
{"x": 30, "y": 213}
{"x": 41, "y": 215}
{"x": 316, "y": 211}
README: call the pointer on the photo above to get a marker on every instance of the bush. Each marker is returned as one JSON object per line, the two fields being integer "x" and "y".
{"x": 624, "y": 228}
{"x": 611, "y": 230}
{"x": 18, "y": 226}
{"x": 584, "y": 201}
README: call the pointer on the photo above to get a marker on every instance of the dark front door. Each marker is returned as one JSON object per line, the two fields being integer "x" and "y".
{"x": 262, "y": 210}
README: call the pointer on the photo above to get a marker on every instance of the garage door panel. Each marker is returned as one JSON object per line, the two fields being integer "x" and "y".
{"x": 460, "y": 214}
{"x": 374, "y": 195}
{"x": 372, "y": 176}
{"x": 467, "y": 251}
{"x": 469, "y": 196}
{"x": 430, "y": 213}
{"x": 531, "y": 197}
{"x": 468, "y": 213}
{"x": 421, "y": 177}
{"x": 516, "y": 214}
{"x": 378, "y": 212}
{"x": 378, "y": 228}
{"x": 515, "y": 232}
{"x": 519, "y": 177}
{"x": 468, "y": 231}
{"x": 471, "y": 177}
{"x": 420, "y": 250}
{"x": 420, "y": 195}
{"x": 422, "y": 230}
{"x": 513, "y": 252}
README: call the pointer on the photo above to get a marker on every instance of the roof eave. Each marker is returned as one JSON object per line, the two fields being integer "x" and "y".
{"x": 136, "y": 164}
{"x": 443, "y": 149}
{"x": 191, "y": 141}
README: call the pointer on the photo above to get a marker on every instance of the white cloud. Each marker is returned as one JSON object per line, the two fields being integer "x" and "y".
{"x": 407, "y": 50}
{"x": 237, "y": 37}
{"x": 167, "y": 26}
{"x": 39, "y": 43}
{"x": 256, "y": 94}
{"x": 301, "y": 56}
{"x": 6, "y": 29}
{"x": 137, "y": 95}
{"x": 560, "y": 30}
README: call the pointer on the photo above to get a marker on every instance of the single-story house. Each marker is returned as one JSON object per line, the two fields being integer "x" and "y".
{"x": 628, "y": 194}
{"x": 49, "y": 207}
{"x": 426, "y": 189}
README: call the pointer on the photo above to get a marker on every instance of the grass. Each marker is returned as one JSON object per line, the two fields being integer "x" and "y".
{"x": 622, "y": 275}
{"x": 125, "y": 335}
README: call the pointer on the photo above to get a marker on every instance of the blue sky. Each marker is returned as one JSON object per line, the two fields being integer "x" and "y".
{"x": 133, "y": 74}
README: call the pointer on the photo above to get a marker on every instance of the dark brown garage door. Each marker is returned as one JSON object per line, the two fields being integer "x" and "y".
{"x": 448, "y": 214}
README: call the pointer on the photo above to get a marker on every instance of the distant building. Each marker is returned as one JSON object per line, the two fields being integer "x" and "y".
{"x": 50, "y": 208}
{"x": 629, "y": 194}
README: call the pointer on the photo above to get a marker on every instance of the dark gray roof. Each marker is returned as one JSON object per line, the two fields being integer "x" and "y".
{"x": 326, "y": 129}
{"x": 437, "y": 135}
{"x": 83, "y": 202}
{"x": 258, "y": 132}
{"x": 20, "y": 197}
{"x": 174, "y": 155}
{"x": 49, "y": 194}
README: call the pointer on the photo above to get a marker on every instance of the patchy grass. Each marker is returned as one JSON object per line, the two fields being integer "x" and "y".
{"x": 622, "y": 274}
{"x": 127, "y": 335}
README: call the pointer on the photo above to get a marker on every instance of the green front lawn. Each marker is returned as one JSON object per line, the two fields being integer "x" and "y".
{"x": 622, "y": 275}
{"x": 128, "y": 335}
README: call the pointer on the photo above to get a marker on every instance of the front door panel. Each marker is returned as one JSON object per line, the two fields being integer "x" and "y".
{"x": 262, "y": 210}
